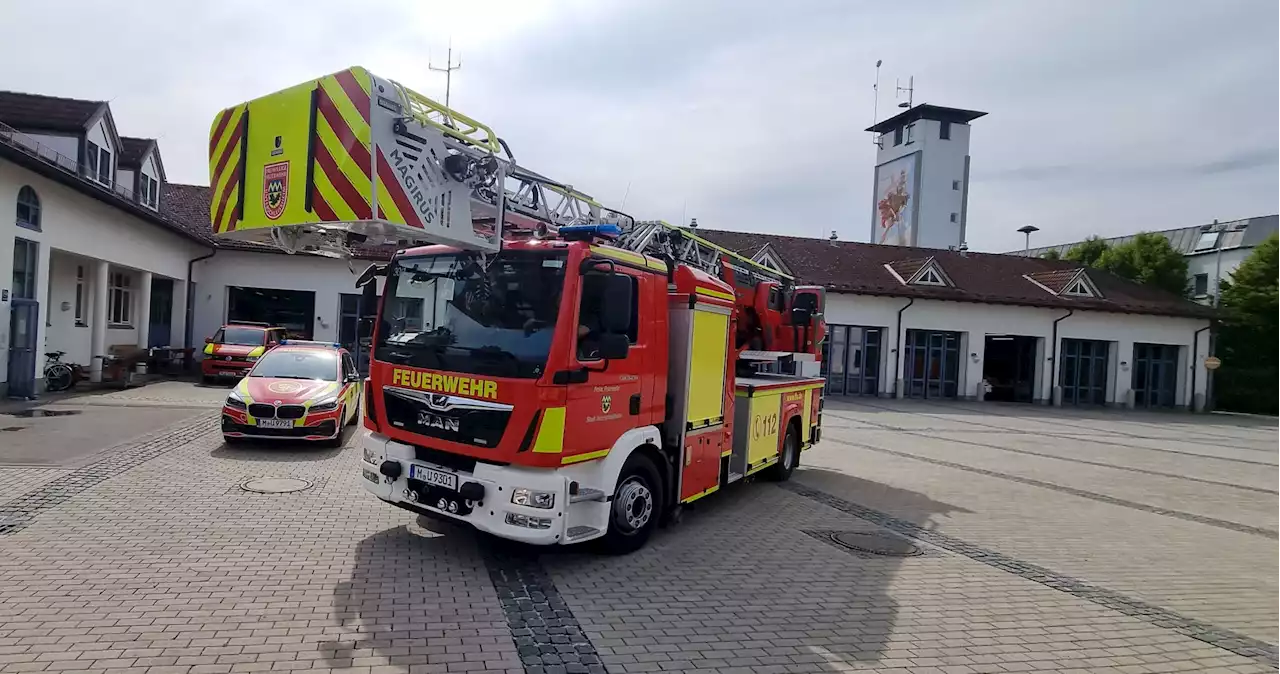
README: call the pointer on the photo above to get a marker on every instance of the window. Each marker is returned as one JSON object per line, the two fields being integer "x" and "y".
{"x": 591, "y": 307}
{"x": 80, "y": 295}
{"x": 120, "y": 298}
{"x": 897, "y": 136}
{"x": 955, "y": 217}
{"x": 1200, "y": 285}
{"x": 1207, "y": 240}
{"x": 91, "y": 158}
{"x": 98, "y": 162}
{"x": 104, "y": 166}
{"x": 930, "y": 277}
{"x": 944, "y": 130}
{"x": 148, "y": 190}
{"x": 1078, "y": 288}
{"x": 28, "y": 208}
{"x": 911, "y": 133}
{"x": 955, "y": 185}
{"x": 406, "y": 314}
{"x": 24, "y": 269}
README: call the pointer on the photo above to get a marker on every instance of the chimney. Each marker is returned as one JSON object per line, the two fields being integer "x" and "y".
{"x": 964, "y": 249}
{"x": 833, "y": 237}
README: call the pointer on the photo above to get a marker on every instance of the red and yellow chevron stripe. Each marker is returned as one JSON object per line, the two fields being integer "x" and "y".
{"x": 225, "y": 169}
{"x": 343, "y": 167}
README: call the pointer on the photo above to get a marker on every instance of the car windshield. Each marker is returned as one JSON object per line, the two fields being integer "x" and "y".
{"x": 453, "y": 312}
{"x": 298, "y": 364}
{"x": 240, "y": 336}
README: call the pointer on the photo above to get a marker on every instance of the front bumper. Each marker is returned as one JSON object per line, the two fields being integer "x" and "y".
{"x": 490, "y": 512}
{"x": 213, "y": 366}
{"x": 237, "y": 424}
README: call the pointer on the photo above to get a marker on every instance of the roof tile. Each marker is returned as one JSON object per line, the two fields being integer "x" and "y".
{"x": 45, "y": 113}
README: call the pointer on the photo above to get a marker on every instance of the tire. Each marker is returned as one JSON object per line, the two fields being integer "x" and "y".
{"x": 781, "y": 471}
{"x": 58, "y": 378}
{"x": 206, "y": 380}
{"x": 635, "y": 508}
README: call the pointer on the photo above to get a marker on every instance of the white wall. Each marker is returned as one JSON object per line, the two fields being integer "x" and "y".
{"x": 1208, "y": 264}
{"x": 98, "y": 135}
{"x": 976, "y": 321}
{"x": 75, "y": 223}
{"x": 327, "y": 277}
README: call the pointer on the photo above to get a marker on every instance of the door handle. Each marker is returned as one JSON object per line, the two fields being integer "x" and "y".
{"x": 635, "y": 403}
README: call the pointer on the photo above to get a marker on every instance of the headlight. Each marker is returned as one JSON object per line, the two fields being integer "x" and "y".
{"x": 533, "y": 498}
{"x": 234, "y": 400}
{"x": 325, "y": 405}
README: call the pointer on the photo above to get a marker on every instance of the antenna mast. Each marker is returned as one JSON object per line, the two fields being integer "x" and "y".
{"x": 449, "y": 67}
{"x": 875, "y": 104}
{"x": 910, "y": 89}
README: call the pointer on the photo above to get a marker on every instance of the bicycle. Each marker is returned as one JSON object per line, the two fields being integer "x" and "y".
{"x": 59, "y": 376}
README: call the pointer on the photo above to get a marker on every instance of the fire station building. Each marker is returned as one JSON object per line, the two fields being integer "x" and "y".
{"x": 101, "y": 254}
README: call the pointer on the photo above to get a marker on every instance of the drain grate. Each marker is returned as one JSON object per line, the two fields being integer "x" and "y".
{"x": 274, "y": 485}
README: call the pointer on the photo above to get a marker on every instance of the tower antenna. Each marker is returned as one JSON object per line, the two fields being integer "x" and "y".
{"x": 449, "y": 67}
{"x": 875, "y": 102}
{"x": 910, "y": 89}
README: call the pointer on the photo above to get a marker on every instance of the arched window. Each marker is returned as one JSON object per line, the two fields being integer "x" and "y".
{"x": 28, "y": 208}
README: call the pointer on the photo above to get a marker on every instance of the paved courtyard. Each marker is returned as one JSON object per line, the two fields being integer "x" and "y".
{"x": 1048, "y": 540}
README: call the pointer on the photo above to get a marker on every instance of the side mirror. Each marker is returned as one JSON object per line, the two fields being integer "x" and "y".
{"x": 208, "y": 340}
{"x": 615, "y": 305}
{"x": 614, "y": 346}
{"x": 368, "y": 305}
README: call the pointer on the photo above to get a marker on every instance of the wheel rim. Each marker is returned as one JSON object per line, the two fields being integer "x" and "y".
{"x": 633, "y": 506}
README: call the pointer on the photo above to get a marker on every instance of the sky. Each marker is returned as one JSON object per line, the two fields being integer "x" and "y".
{"x": 1105, "y": 117}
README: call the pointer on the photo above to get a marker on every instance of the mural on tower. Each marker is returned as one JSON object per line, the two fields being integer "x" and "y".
{"x": 895, "y": 207}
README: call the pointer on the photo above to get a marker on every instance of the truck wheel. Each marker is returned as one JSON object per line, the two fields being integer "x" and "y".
{"x": 781, "y": 471}
{"x": 636, "y": 505}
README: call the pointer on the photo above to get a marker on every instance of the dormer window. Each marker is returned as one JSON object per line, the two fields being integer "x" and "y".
{"x": 930, "y": 277}
{"x": 1078, "y": 288}
{"x": 98, "y": 161}
{"x": 148, "y": 190}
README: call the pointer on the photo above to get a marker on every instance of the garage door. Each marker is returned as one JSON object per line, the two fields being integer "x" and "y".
{"x": 1084, "y": 372}
{"x": 294, "y": 310}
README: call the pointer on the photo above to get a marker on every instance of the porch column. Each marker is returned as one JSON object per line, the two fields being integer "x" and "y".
{"x": 98, "y": 321}
{"x": 143, "y": 313}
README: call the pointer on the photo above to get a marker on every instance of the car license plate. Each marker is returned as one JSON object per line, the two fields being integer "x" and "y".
{"x": 439, "y": 478}
{"x": 275, "y": 423}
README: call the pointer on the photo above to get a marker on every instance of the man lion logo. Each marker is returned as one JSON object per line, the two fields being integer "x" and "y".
{"x": 275, "y": 189}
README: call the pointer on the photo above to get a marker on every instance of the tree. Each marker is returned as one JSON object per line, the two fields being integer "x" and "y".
{"x": 1248, "y": 332}
{"x": 1148, "y": 259}
{"x": 1088, "y": 251}
{"x": 1051, "y": 254}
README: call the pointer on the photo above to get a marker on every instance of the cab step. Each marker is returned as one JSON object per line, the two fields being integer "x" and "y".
{"x": 579, "y": 533}
{"x": 587, "y": 494}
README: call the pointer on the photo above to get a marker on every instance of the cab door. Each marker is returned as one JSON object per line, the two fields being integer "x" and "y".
{"x": 609, "y": 402}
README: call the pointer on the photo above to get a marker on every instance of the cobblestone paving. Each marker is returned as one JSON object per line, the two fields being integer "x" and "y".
{"x": 151, "y": 558}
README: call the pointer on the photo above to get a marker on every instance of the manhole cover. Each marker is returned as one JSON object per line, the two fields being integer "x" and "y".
{"x": 29, "y": 413}
{"x": 876, "y": 544}
{"x": 274, "y": 485}
{"x": 11, "y": 428}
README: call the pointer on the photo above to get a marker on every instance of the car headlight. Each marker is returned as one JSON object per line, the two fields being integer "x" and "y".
{"x": 325, "y": 405}
{"x": 235, "y": 400}
{"x": 533, "y": 498}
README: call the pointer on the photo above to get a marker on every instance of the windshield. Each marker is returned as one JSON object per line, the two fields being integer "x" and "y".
{"x": 298, "y": 364}
{"x": 448, "y": 312}
{"x": 240, "y": 336}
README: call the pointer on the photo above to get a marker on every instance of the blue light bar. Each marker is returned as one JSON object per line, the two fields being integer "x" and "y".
{"x": 607, "y": 231}
{"x": 302, "y": 342}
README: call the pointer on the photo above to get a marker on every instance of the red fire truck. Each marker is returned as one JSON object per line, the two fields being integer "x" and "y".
{"x": 570, "y": 374}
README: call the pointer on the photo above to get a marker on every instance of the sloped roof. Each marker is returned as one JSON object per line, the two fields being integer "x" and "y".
{"x": 1055, "y": 279}
{"x": 132, "y": 150}
{"x": 46, "y": 113}
{"x": 908, "y": 268}
{"x": 845, "y": 266}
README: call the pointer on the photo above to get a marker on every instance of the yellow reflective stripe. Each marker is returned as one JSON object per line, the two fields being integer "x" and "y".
{"x": 759, "y": 392}
{"x": 577, "y": 458}
{"x": 257, "y": 352}
{"x": 229, "y": 170}
{"x": 355, "y": 174}
{"x": 208, "y": 349}
{"x": 388, "y": 206}
{"x": 763, "y": 464}
{"x": 345, "y": 108}
{"x": 700, "y": 494}
{"x": 331, "y": 196}
{"x": 550, "y": 438}
{"x": 629, "y": 257}
{"x": 715, "y": 293}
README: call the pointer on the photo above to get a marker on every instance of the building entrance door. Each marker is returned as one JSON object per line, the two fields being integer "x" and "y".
{"x": 932, "y": 364}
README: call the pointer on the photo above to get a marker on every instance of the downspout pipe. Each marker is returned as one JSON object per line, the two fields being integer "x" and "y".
{"x": 189, "y": 322}
{"x": 1195, "y": 350}
{"x": 1053, "y": 370}
{"x": 897, "y": 346}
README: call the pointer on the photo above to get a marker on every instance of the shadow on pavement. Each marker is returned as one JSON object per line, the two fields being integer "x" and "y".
{"x": 283, "y": 449}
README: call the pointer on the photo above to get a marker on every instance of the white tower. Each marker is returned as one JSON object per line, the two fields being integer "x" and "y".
{"x": 921, "y": 195}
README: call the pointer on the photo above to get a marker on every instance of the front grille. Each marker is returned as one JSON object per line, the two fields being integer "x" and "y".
{"x": 480, "y": 428}
{"x": 262, "y": 411}
{"x": 290, "y": 412}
